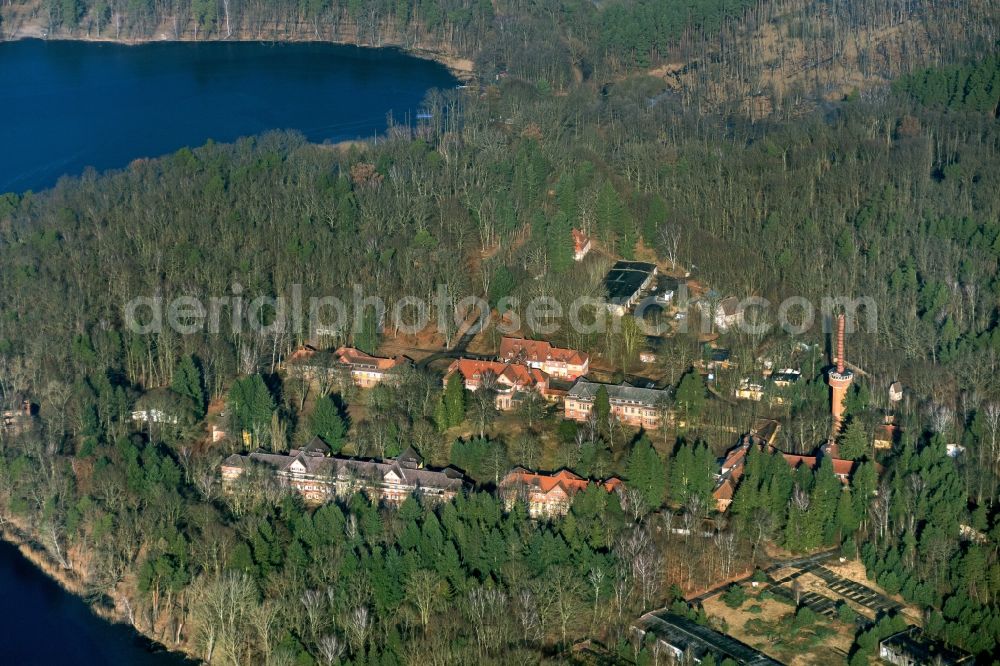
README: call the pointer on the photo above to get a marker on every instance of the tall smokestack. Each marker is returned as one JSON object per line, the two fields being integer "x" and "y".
{"x": 840, "y": 380}
{"x": 840, "y": 343}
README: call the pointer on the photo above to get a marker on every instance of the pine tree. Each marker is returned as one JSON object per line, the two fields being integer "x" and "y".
{"x": 602, "y": 404}
{"x": 559, "y": 241}
{"x": 441, "y": 415}
{"x": 847, "y": 517}
{"x": 703, "y": 474}
{"x": 796, "y": 529}
{"x": 692, "y": 474}
{"x": 780, "y": 485}
{"x": 681, "y": 468}
{"x": 252, "y": 405}
{"x": 189, "y": 383}
{"x": 454, "y": 399}
{"x": 691, "y": 395}
{"x": 823, "y": 505}
{"x": 366, "y": 338}
{"x": 854, "y": 442}
{"x": 863, "y": 484}
{"x": 857, "y": 399}
{"x": 646, "y": 473}
{"x": 609, "y": 210}
{"x": 327, "y": 423}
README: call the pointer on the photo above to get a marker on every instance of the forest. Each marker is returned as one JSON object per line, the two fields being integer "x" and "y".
{"x": 756, "y": 57}
{"x": 891, "y": 195}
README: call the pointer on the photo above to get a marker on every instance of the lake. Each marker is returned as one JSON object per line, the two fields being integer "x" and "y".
{"x": 43, "y": 624}
{"x": 67, "y": 105}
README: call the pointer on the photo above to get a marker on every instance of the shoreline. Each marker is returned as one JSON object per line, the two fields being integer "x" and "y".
{"x": 27, "y": 544}
{"x": 69, "y": 582}
{"x": 461, "y": 68}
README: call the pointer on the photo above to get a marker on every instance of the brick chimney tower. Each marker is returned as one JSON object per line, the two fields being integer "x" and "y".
{"x": 840, "y": 379}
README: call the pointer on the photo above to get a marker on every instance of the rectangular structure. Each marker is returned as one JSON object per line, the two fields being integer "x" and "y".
{"x": 547, "y": 495}
{"x": 562, "y": 363}
{"x": 639, "y": 407}
{"x": 687, "y": 639}
{"x": 506, "y": 379}
{"x": 625, "y": 283}
{"x": 365, "y": 370}
{"x": 319, "y": 478}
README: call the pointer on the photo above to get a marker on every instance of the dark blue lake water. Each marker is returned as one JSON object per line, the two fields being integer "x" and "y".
{"x": 65, "y": 106}
{"x": 44, "y": 625}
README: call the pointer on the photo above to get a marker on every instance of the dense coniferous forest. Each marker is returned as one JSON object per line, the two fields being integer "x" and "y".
{"x": 892, "y": 194}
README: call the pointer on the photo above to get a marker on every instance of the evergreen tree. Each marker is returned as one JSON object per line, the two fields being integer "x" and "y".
{"x": 189, "y": 383}
{"x": 797, "y": 537}
{"x": 441, "y": 419}
{"x": 847, "y": 517}
{"x": 863, "y": 484}
{"x": 252, "y": 405}
{"x": 366, "y": 337}
{"x": 610, "y": 212}
{"x": 327, "y": 423}
{"x": 559, "y": 241}
{"x": 692, "y": 474}
{"x": 857, "y": 400}
{"x": 602, "y": 404}
{"x": 780, "y": 485}
{"x": 680, "y": 474}
{"x": 691, "y": 395}
{"x": 646, "y": 473}
{"x": 455, "y": 399}
{"x": 854, "y": 441}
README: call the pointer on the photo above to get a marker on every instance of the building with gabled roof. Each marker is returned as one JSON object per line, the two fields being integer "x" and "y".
{"x": 547, "y": 495}
{"x": 319, "y": 477}
{"x": 315, "y": 447}
{"x": 365, "y": 370}
{"x": 554, "y": 361}
{"x": 732, "y": 466}
{"x": 507, "y": 379}
{"x": 688, "y": 640}
{"x": 634, "y": 406}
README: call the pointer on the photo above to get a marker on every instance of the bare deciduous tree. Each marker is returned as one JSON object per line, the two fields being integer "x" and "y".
{"x": 358, "y": 627}
{"x": 330, "y": 648}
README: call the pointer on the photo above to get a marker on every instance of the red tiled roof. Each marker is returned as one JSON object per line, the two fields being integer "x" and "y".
{"x": 538, "y": 351}
{"x": 724, "y": 491}
{"x": 513, "y": 373}
{"x": 735, "y": 457}
{"x": 887, "y": 432}
{"x": 613, "y": 484}
{"x": 841, "y": 467}
{"x": 303, "y": 352}
{"x": 352, "y": 356}
{"x": 569, "y": 482}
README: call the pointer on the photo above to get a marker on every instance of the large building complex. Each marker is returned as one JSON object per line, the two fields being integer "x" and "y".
{"x": 506, "y": 379}
{"x": 319, "y": 477}
{"x": 365, "y": 370}
{"x": 554, "y": 361}
{"x": 639, "y": 407}
{"x": 547, "y": 495}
